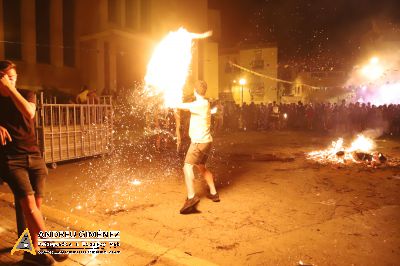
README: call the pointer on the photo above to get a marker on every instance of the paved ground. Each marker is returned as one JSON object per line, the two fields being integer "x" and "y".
{"x": 8, "y": 236}
{"x": 276, "y": 208}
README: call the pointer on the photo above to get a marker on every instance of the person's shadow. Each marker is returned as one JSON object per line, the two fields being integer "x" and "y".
{"x": 17, "y": 263}
{"x": 192, "y": 210}
{"x": 5, "y": 250}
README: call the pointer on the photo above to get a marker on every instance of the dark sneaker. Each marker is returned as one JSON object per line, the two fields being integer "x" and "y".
{"x": 38, "y": 259}
{"x": 190, "y": 205}
{"x": 214, "y": 198}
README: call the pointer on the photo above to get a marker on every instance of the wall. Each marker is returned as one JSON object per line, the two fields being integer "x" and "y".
{"x": 34, "y": 75}
{"x": 263, "y": 60}
{"x": 211, "y": 69}
{"x": 130, "y": 45}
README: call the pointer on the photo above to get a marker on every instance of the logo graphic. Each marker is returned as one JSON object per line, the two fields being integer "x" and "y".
{"x": 24, "y": 243}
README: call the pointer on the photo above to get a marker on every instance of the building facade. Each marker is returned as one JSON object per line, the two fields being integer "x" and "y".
{"x": 34, "y": 34}
{"x": 317, "y": 86}
{"x": 262, "y": 59}
{"x": 104, "y": 44}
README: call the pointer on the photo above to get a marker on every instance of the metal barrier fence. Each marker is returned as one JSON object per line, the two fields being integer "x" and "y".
{"x": 71, "y": 131}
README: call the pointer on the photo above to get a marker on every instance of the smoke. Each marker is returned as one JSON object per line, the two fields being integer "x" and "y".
{"x": 377, "y": 78}
{"x": 373, "y": 133}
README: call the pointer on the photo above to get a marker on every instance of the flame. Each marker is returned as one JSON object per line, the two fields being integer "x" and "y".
{"x": 135, "y": 182}
{"x": 360, "y": 144}
{"x": 373, "y": 70}
{"x": 168, "y": 67}
{"x": 328, "y": 154}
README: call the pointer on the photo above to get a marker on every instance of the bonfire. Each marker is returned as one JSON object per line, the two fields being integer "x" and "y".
{"x": 361, "y": 150}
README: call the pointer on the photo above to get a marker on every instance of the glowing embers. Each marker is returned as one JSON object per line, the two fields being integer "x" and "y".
{"x": 169, "y": 66}
{"x": 359, "y": 151}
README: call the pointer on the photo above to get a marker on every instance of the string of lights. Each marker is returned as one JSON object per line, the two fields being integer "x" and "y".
{"x": 269, "y": 77}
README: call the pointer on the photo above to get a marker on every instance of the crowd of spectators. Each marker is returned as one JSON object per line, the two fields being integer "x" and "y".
{"x": 342, "y": 117}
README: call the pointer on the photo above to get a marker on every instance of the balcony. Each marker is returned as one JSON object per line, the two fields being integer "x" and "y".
{"x": 257, "y": 64}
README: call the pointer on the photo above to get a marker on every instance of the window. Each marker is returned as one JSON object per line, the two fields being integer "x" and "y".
{"x": 257, "y": 89}
{"x": 258, "y": 55}
{"x": 12, "y": 29}
{"x": 228, "y": 67}
{"x": 107, "y": 64}
{"x": 112, "y": 11}
{"x": 42, "y": 8}
{"x": 131, "y": 13}
{"x": 258, "y": 62}
{"x": 69, "y": 32}
{"x": 145, "y": 15}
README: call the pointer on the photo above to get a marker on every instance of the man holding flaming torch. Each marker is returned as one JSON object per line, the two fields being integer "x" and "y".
{"x": 200, "y": 147}
{"x": 166, "y": 74}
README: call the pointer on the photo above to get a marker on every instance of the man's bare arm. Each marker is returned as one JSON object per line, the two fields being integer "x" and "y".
{"x": 27, "y": 108}
{"x": 184, "y": 106}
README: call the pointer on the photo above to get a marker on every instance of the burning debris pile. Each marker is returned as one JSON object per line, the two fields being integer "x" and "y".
{"x": 361, "y": 150}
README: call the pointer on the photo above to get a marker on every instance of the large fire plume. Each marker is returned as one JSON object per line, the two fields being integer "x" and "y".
{"x": 169, "y": 66}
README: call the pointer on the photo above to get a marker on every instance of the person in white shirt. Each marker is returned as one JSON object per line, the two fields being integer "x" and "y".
{"x": 200, "y": 147}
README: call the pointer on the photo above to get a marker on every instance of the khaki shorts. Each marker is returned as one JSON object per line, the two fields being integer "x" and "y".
{"x": 198, "y": 153}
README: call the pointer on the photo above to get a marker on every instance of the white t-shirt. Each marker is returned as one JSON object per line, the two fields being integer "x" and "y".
{"x": 200, "y": 120}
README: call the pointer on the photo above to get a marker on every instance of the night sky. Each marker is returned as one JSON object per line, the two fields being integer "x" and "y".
{"x": 319, "y": 32}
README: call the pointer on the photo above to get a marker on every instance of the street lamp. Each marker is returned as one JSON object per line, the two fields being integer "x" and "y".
{"x": 242, "y": 82}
